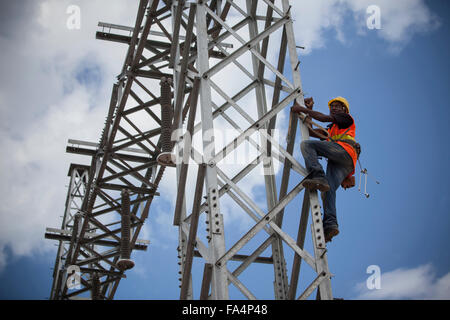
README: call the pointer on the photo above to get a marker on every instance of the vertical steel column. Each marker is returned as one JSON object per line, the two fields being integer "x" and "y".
{"x": 279, "y": 264}
{"x": 300, "y": 242}
{"x": 77, "y": 221}
{"x": 319, "y": 247}
{"x": 317, "y": 226}
{"x": 95, "y": 291}
{"x": 219, "y": 280}
{"x": 177, "y": 10}
{"x": 57, "y": 272}
{"x": 206, "y": 281}
{"x": 186, "y": 276}
{"x": 75, "y": 195}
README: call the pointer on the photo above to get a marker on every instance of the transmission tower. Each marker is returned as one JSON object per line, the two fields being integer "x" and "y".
{"x": 206, "y": 28}
{"x": 109, "y": 201}
{"x": 179, "y": 74}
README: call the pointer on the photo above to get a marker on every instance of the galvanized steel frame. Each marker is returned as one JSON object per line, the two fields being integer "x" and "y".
{"x": 126, "y": 156}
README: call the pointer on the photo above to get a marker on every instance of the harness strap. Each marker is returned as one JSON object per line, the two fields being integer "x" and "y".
{"x": 343, "y": 137}
{"x": 340, "y": 136}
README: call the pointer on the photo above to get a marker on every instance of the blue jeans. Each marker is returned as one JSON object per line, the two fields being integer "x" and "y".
{"x": 340, "y": 165}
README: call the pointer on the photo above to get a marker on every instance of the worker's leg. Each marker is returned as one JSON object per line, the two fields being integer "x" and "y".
{"x": 312, "y": 149}
{"x": 336, "y": 173}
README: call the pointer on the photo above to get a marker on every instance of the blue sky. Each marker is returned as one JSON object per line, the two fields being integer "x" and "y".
{"x": 399, "y": 103}
{"x": 397, "y": 89}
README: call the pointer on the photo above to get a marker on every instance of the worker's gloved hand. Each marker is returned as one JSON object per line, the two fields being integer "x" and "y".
{"x": 309, "y": 103}
{"x": 296, "y": 108}
{"x": 348, "y": 182}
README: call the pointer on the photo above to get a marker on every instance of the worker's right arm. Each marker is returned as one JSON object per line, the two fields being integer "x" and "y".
{"x": 314, "y": 133}
{"x": 314, "y": 114}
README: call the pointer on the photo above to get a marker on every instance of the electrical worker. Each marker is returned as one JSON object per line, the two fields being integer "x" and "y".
{"x": 338, "y": 145}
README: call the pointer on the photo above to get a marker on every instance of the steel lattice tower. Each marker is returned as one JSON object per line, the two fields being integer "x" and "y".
{"x": 128, "y": 163}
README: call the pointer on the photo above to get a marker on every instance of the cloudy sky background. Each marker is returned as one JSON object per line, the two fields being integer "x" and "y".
{"x": 56, "y": 83}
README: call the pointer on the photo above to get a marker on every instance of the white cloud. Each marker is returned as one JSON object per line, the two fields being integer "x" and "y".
{"x": 42, "y": 105}
{"x": 400, "y": 21}
{"x": 416, "y": 283}
{"x": 32, "y": 188}
{"x": 313, "y": 18}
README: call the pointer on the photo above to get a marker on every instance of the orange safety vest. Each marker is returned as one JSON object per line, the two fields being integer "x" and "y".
{"x": 345, "y": 134}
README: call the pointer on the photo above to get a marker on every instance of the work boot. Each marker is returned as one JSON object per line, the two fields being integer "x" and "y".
{"x": 330, "y": 233}
{"x": 319, "y": 183}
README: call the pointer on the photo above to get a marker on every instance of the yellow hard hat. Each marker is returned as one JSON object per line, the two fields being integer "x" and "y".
{"x": 340, "y": 99}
